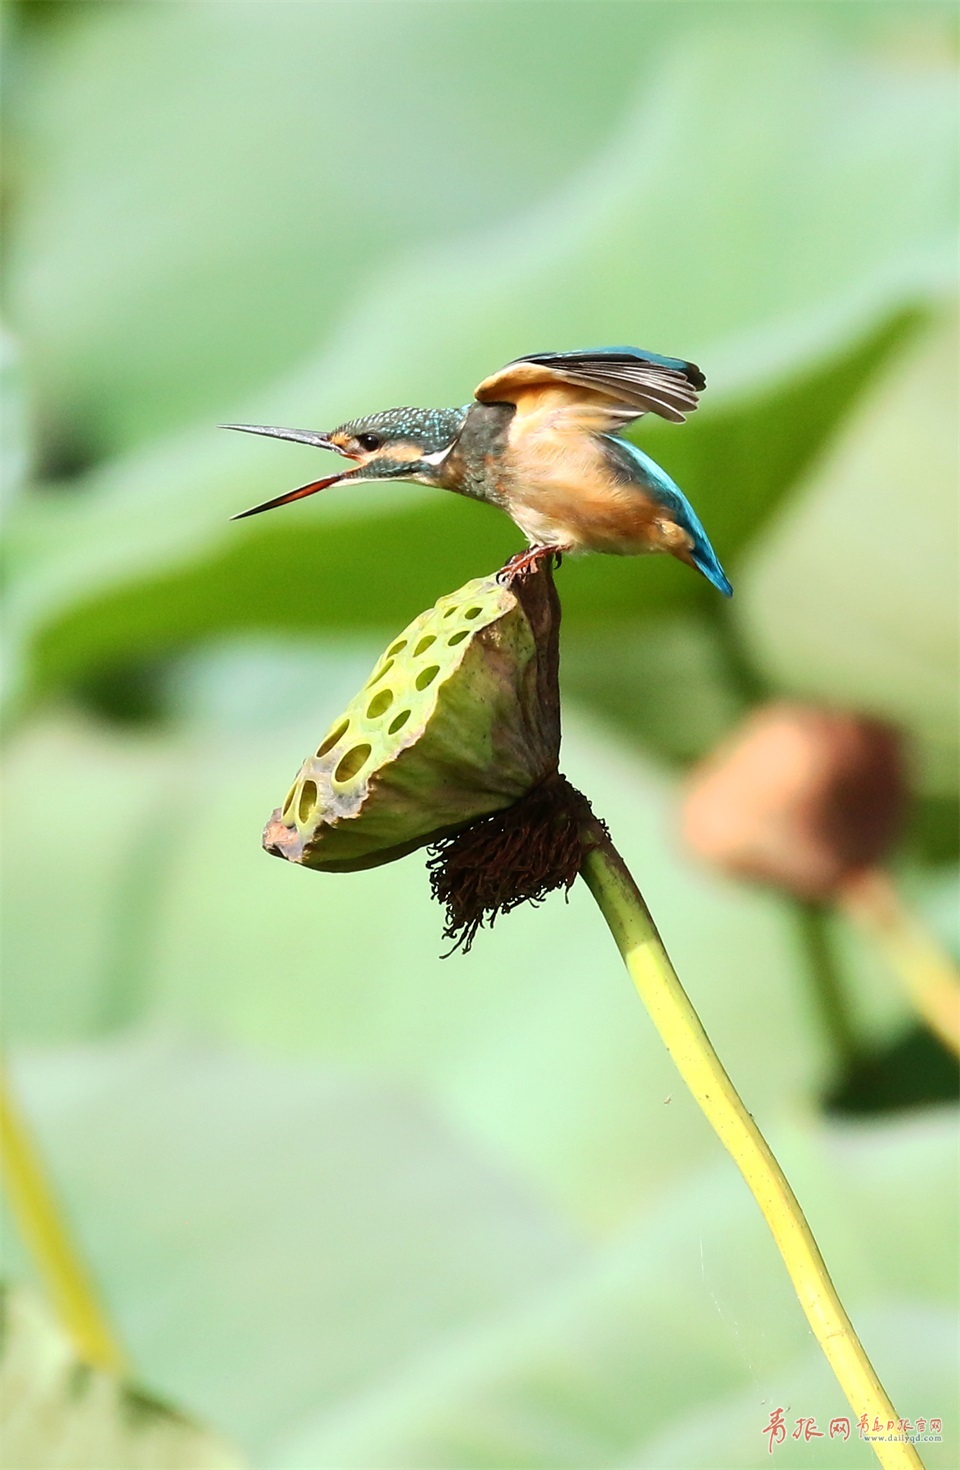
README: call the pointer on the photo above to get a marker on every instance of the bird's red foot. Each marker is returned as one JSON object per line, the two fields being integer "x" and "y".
{"x": 524, "y": 561}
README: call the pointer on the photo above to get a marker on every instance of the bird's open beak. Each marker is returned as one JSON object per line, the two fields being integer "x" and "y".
{"x": 300, "y": 436}
{"x": 299, "y": 494}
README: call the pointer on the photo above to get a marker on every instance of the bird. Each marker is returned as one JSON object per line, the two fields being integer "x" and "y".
{"x": 542, "y": 441}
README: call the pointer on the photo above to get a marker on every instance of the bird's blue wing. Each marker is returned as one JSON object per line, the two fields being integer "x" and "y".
{"x": 625, "y": 380}
{"x": 670, "y": 495}
{"x": 601, "y": 358}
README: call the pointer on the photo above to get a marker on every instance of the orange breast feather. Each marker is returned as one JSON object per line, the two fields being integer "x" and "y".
{"x": 560, "y": 490}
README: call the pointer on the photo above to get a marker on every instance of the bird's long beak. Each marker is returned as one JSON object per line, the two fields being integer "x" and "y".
{"x": 299, "y": 494}
{"x": 300, "y": 436}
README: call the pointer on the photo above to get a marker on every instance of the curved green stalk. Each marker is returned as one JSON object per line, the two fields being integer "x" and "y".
{"x": 45, "y": 1234}
{"x": 926, "y": 972}
{"x": 632, "y": 926}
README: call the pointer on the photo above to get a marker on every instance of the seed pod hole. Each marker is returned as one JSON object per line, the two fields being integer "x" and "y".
{"x": 308, "y": 800}
{"x": 382, "y": 674}
{"x": 337, "y": 733}
{"x": 379, "y": 704}
{"x": 352, "y": 762}
{"x": 450, "y": 611}
{"x": 399, "y": 722}
{"x": 288, "y": 802}
{"x": 424, "y": 644}
{"x": 458, "y": 637}
{"x": 472, "y": 612}
{"x": 396, "y": 648}
{"x": 427, "y": 676}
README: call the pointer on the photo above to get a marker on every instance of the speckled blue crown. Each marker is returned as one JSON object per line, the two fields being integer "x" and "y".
{"x": 432, "y": 427}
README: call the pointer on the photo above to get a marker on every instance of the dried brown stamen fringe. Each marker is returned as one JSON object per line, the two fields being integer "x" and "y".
{"x": 510, "y": 857}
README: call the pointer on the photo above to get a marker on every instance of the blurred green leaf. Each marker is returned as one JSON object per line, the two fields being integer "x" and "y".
{"x": 14, "y": 457}
{"x": 852, "y": 598}
{"x": 60, "y": 1414}
{"x": 94, "y": 839}
{"x": 273, "y": 157}
{"x": 687, "y": 1320}
{"x": 331, "y": 1270}
{"x": 934, "y": 831}
{"x": 789, "y": 316}
{"x": 271, "y": 1236}
{"x": 665, "y": 681}
{"x": 270, "y": 157}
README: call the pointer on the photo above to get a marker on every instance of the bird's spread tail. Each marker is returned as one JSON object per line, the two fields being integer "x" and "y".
{"x": 700, "y": 553}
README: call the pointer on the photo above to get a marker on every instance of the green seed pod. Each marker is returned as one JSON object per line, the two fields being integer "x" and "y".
{"x": 459, "y": 718}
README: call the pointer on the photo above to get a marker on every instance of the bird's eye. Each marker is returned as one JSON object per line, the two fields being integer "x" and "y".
{"x": 368, "y": 441}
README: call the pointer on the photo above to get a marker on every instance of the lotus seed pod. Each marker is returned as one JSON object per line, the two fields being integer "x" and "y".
{"x": 799, "y": 797}
{"x": 459, "y": 718}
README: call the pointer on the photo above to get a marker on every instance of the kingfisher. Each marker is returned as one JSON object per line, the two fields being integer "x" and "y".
{"x": 542, "y": 441}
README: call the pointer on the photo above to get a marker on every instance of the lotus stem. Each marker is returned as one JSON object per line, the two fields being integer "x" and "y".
{"x": 656, "y": 981}
{"x": 832, "y": 999}
{"x": 46, "y": 1236}
{"x": 927, "y": 973}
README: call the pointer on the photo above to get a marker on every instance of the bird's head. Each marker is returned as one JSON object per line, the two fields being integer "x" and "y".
{"x": 397, "y": 444}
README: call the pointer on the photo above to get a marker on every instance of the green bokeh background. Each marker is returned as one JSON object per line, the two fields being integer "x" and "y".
{"x": 348, "y": 1204}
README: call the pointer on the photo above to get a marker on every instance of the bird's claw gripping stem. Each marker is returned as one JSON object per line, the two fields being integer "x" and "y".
{"x": 524, "y": 561}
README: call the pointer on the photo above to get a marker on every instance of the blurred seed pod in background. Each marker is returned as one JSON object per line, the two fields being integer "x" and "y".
{"x": 799, "y": 797}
